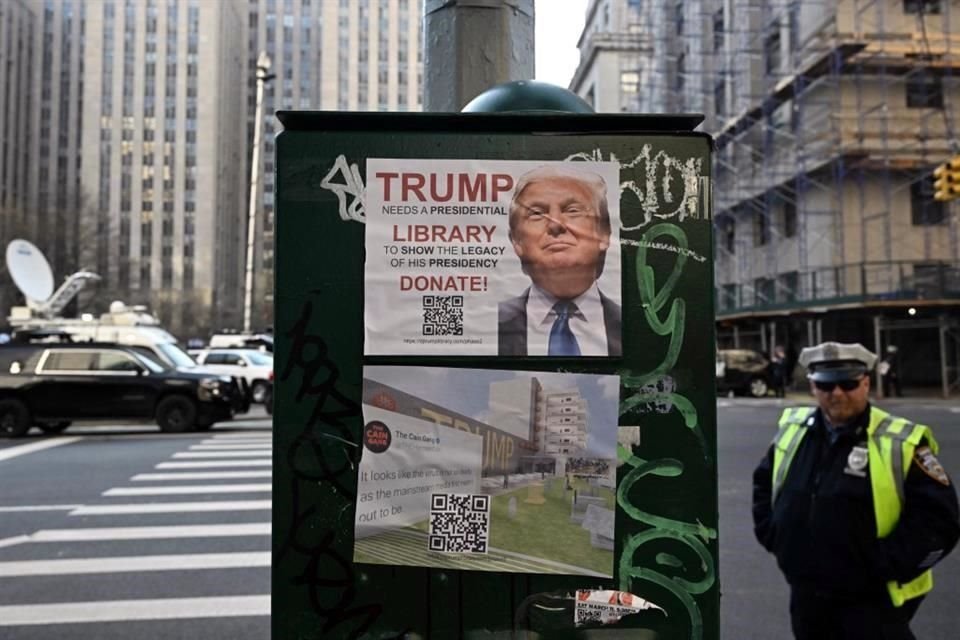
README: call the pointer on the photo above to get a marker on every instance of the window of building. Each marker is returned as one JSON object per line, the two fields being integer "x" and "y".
{"x": 921, "y": 6}
{"x": 729, "y": 234}
{"x": 718, "y": 29}
{"x": 771, "y": 48}
{"x": 763, "y": 289}
{"x": 924, "y": 91}
{"x": 629, "y": 82}
{"x": 678, "y": 17}
{"x": 924, "y": 210}
{"x": 789, "y": 219}
{"x": 787, "y": 284}
{"x": 728, "y": 300}
{"x": 681, "y": 73}
{"x": 719, "y": 97}
{"x": 761, "y": 229}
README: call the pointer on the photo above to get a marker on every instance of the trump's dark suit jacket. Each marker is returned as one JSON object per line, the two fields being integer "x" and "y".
{"x": 512, "y": 325}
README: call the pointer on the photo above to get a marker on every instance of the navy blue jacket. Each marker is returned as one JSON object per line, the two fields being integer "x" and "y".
{"x": 822, "y": 528}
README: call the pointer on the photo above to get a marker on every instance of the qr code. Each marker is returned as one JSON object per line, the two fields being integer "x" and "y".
{"x": 583, "y": 615}
{"x": 459, "y": 522}
{"x": 443, "y": 315}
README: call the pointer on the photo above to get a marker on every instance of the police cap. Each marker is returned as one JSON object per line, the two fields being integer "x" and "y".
{"x": 836, "y": 361}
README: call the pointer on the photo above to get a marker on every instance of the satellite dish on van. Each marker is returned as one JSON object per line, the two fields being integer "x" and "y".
{"x": 30, "y": 270}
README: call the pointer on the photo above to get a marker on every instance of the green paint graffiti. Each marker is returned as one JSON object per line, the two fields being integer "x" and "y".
{"x": 692, "y": 536}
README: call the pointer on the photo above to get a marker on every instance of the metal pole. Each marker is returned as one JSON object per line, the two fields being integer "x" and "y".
{"x": 736, "y": 337}
{"x": 944, "y": 373}
{"x": 263, "y": 75}
{"x": 878, "y": 349}
{"x": 471, "y": 45}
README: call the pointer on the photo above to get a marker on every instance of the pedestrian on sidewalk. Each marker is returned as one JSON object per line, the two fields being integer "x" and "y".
{"x": 889, "y": 370}
{"x": 778, "y": 371}
{"x": 854, "y": 504}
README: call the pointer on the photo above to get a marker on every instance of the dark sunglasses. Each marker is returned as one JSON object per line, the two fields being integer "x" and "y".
{"x": 846, "y": 385}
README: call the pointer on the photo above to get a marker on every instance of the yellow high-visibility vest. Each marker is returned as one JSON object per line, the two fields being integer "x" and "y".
{"x": 890, "y": 442}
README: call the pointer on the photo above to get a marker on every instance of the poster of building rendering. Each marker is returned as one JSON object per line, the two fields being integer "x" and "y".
{"x": 492, "y": 257}
{"x": 488, "y": 470}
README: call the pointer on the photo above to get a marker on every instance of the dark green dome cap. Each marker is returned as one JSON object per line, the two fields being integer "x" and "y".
{"x": 527, "y": 96}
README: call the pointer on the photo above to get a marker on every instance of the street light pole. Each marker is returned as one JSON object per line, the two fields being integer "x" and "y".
{"x": 263, "y": 76}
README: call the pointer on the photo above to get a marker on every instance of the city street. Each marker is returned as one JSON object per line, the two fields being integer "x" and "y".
{"x": 114, "y": 527}
{"x": 117, "y": 532}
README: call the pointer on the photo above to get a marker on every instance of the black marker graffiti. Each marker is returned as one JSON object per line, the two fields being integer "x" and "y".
{"x": 328, "y": 575}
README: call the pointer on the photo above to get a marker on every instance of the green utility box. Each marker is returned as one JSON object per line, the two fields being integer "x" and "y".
{"x": 494, "y": 406}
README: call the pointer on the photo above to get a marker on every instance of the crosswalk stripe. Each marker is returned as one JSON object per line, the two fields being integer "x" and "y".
{"x": 171, "y": 507}
{"x": 267, "y": 442}
{"x": 222, "y": 454}
{"x": 128, "y": 610}
{"x": 230, "y": 447}
{"x": 12, "y": 542}
{"x": 234, "y": 436}
{"x": 201, "y": 475}
{"x": 210, "y": 464}
{"x": 40, "y": 507}
{"x": 144, "y": 533}
{"x": 189, "y": 489}
{"x": 33, "y": 447}
{"x": 118, "y": 564}
{"x": 234, "y": 444}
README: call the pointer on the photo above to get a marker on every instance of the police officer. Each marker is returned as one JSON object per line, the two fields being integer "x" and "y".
{"x": 854, "y": 505}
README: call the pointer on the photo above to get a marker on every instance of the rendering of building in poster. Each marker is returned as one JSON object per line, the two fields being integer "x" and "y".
{"x": 465, "y": 468}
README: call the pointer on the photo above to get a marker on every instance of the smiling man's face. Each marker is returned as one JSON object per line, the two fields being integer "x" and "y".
{"x": 558, "y": 235}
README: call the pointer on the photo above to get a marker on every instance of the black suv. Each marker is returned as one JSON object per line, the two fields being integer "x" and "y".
{"x": 48, "y": 385}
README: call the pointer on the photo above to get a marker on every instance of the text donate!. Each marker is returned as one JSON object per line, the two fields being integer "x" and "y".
{"x": 442, "y": 234}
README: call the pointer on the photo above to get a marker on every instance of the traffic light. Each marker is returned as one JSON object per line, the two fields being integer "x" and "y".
{"x": 946, "y": 180}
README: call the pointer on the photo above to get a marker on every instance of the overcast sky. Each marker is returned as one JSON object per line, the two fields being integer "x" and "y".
{"x": 558, "y": 27}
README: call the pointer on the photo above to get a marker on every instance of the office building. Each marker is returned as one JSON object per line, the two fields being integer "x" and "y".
{"x": 127, "y": 125}
{"x": 344, "y": 55}
{"x": 19, "y": 50}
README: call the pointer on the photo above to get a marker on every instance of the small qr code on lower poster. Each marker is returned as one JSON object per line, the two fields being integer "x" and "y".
{"x": 459, "y": 523}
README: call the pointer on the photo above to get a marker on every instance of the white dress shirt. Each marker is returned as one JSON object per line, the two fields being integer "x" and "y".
{"x": 587, "y": 323}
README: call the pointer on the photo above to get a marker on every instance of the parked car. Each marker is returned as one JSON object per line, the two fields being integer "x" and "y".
{"x": 744, "y": 372}
{"x": 268, "y": 399}
{"x": 258, "y": 341}
{"x": 49, "y": 385}
{"x": 256, "y": 367}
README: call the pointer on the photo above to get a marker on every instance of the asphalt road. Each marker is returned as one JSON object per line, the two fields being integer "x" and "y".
{"x": 754, "y": 595}
{"x": 99, "y": 538}
{"x": 103, "y": 532}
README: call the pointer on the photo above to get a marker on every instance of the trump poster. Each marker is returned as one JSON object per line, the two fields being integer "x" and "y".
{"x": 492, "y": 257}
{"x": 488, "y": 470}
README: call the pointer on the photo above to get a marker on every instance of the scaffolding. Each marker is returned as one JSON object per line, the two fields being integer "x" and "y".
{"x": 829, "y": 118}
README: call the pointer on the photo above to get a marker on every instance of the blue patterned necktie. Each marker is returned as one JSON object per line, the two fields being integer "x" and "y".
{"x": 562, "y": 340}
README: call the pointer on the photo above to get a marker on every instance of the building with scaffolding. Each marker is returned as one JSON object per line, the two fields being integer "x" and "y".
{"x": 829, "y": 118}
